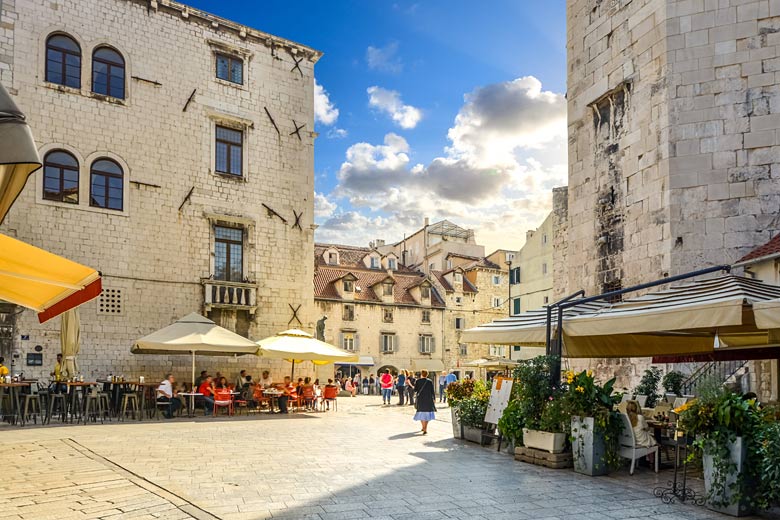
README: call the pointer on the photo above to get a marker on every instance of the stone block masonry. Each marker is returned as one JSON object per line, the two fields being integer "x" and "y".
{"x": 160, "y": 247}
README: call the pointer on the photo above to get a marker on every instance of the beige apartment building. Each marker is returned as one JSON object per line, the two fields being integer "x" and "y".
{"x": 178, "y": 150}
{"x": 390, "y": 315}
{"x": 532, "y": 270}
{"x": 674, "y": 132}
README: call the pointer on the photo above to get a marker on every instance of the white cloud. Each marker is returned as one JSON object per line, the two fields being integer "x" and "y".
{"x": 507, "y": 150}
{"x": 324, "y": 110}
{"x": 384, "y": 59}
{"x": 336, "y": 133}
{"x": 389, "y": 102}
{"x": 323, "y": 207}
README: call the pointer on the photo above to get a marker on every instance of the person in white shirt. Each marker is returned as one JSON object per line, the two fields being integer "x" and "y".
{"x": 166, "y": 394}
{"x": 266, "y": 380}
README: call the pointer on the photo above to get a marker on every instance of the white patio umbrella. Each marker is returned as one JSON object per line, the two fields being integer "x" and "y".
{"x": 18, "y": 155}
{"x": 194, "y": 334}
{"x": 296, "y": 346}
{"x": 70, "y": 336}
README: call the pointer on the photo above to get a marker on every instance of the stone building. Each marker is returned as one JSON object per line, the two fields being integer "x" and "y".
{"x": 390, "y": 315}
{"x": 532, "y": 269}
{"x": 674, "y": 138}
{"x": 179, "y": 162}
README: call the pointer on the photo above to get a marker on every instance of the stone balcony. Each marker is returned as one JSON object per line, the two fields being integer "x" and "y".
{"x": 218, "y": 294}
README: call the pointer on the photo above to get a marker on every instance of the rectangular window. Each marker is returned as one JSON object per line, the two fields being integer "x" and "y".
{"x": 460, "y": 323}
{"x": 544, "y": 239}
{"x": 498, "y": 350}
{"x": 544, "y": 268}
{"x": 431, "y": 267}
{"x": 546, "y": 300}
{"x": 349, "y": 286}
{"x": 348, "y": 341}
{"x": 387, "y": 316}
{"x": 374, "y": 262}
{"x": 426, "y": 344}
{"x": 387, "y": 289}
{"x": 516, "y": 306}
{"x": 228, "y": 254}
{"x": 464, "y": 349}
{"x": 458, "y": 278}
{"x": 387, "y": 343}
{"x": 426, "y": 316}
{"x": 230, "y": 68}
{"x": 514, "y": 276}
{"x": 229, "y": 150}
{"x": 496, "y": 279}
{"x": 391, "y": 264}
{"x": 349, "y": 312}
{"x": 496, "y": 302}
{"x": 425, "y": 292}
{"x": 333, "y": 259}
{"x": 458, "y": 300}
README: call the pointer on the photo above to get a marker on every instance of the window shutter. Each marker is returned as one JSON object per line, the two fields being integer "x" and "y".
{"x": 381, "y": 345}
{"x": 420, "y": 340}
{"x": 433, "y": 344}
{"x": 357, "y": 341}
{"x": 395, "y": 343}
{"x": 341, "y": 340}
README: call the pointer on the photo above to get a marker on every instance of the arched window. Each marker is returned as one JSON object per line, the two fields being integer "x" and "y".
{"x": 108, "y": 73}
{"x": 61, "y": 177}
{"x": 63, "y": 61}
{"x": 106, "y": 185}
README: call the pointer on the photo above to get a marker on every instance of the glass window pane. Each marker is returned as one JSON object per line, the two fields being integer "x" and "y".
{"x": 64, "y": 42}
{"x": 115, "y": 193}
{"x": 221, "y": 163}
{"x": 53, "y": 56}
{"x": 235, "y": 160}
{"x": 115, "y": 203}
{"x": 220, "y": 261}
{"x": 104, "y": 165}
{"x": 62, "y": 158}
{"x": 226, "y": 233}
{"x": 115, "y": 183}
{"x": 109, "y": 55}
{"x": 117, "y": 89}
{"x": 236, "y": 71}
{"x": 228, "y": 134}
{"x": 222, "y": 67}
{"x": 72, "y": 61}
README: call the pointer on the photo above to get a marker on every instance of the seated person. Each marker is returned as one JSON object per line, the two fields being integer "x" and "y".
{"x": 207, "y": 389}
{"x": 266, "y": 380}
{"x": 200, "y": 378}
{"x": 166, "y": 394}
{"x": 299, "y": 386}
{"x": 220, "y": 383}
{"x": 240, "y": 380}
{"x": 643, "y": 434}
{"x": 308, "y": 393}
{"x": 287, "y": 391}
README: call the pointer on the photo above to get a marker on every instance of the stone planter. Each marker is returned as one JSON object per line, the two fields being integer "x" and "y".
{"x": 508, "y": 446}
{"x": 588, "y": 447}
{"x": 472, "y": 434}
{"x": 738, "y": 454}
{"x": 550, "y": 442}
{"x": 455, "y": 423}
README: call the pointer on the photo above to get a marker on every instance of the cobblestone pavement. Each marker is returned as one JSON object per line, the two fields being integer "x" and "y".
{"x": 364, "y": 461}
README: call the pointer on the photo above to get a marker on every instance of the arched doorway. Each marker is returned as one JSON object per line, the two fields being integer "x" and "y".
{"x": 393, "y": 370}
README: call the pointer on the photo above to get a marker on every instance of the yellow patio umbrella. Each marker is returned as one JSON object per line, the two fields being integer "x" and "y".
{"x": 43, "y": 281}
{"x": 18, "y": 155}
{"x": 297, "y": 346}
{"x": 70, "y": 336}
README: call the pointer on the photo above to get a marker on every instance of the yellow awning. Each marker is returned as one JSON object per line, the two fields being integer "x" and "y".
{"x": 767, "y": 314}
{"x": 43, "y": 281}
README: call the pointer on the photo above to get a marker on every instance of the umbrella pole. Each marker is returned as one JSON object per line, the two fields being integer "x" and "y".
{"x": 292, "y": 372}
{"x": 193, "y": 372}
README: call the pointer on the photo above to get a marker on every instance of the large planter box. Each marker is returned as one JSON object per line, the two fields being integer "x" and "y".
{"x": 738, "y": 454}
{"x": 472, "y": 434}
{"x": 588, "y": 447}
{"x": 540, "y": 440}
{"x": 543, "y": 458}
{"x": 455, "y": 423}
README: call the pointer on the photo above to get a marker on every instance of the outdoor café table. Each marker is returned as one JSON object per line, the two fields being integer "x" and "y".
{"x": 191, "y": 407}
{"x": 13, "y": 391}
{"x": 273, "y": 397}
{"x": 145, "y": 386}
{"x": 73, "y": 388}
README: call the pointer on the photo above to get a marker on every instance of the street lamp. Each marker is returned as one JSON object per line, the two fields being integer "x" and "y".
{"x": 18, "y": 155}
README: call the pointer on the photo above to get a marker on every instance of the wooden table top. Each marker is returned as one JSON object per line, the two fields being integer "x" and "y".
{"x": 15, "y": 385}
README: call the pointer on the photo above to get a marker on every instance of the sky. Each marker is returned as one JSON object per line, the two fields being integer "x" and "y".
{"x": 443, "y": 109}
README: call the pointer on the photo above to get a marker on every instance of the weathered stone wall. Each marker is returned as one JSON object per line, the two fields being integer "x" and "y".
{"x": 160, "y": 247}
{"x": 8, "y": 19}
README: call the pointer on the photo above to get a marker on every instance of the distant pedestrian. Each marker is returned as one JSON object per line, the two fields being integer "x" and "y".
{"x": 426, "y": 401}
{"x": 386, "y": 383}
{"x": 410, "y": 380}
{"x": 442, "y": 387}
{"x": 365, "y": 385}
{"x": 372, "y": 384}
{"x": 400, "y": 386}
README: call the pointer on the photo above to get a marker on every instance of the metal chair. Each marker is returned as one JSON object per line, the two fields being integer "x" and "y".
{"x": 32, "y": 398}
{"x": 128, "y": 399}
{"x": 93, "y": 407}
{"x": 55, "y": 399}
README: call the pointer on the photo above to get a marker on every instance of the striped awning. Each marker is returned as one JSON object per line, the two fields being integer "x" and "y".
{"x": 690, "y": 318}
{"x": 528, "y": 328}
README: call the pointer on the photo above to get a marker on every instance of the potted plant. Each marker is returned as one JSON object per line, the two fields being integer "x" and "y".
{"x": 471, "y": 412}
{"x": 539, "y": 405}
{"x": 457, "y": 392}
{"x": 673, "y": 382}
{"x": 595, "y": 425}
{"x": 511, "y": 424}
{"x": 727, "y": 430}
{"x": 648, "y": 386}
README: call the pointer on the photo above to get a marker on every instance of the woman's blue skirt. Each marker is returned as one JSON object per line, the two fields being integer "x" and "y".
{"x": 424, "y": 416}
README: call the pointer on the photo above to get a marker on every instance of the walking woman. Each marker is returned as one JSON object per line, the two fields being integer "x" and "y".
{"x": 425, "y": 402}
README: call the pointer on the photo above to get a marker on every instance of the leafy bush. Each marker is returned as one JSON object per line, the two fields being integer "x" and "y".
{"x": 554, "y": 417}
{"x": 768, "y": 452}
{"x": 472, "y": 412}
{"x": 673, "y": 382}
{"x": 459, "y": 390}
{"x": 532, "y": 389}
{"x": 649, "y": 386}
{"x": 511, "y": 423}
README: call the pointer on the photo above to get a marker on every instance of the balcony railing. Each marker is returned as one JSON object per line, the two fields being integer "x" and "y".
{"x": 218, "y": 294}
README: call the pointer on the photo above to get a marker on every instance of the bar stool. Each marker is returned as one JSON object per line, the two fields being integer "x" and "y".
{"x": 56, "y": 399}
{"x": 129, "y": 399}
{"x": 93, "y": 408}
{"x": 105, "y": 404}
{"x": 33, "y": 398}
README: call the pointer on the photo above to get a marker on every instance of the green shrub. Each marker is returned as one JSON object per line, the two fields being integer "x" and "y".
{"x": 673, "y": 382}
{"x": 649, "y": 386}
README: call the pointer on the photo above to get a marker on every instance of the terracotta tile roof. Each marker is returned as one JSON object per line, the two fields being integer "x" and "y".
{"x": 770, "y": 248}
{"x": 351, "y": 256}
{"x": 442, "y": 281}
{"x": 326, "y": 278}
{"x": 469, "y": 287}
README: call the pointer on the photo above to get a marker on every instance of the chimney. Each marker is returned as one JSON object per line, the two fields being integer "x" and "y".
{"x": 379, "y": 242}
{"x": 427, "y": 221}
{"x": 529, "y": 234}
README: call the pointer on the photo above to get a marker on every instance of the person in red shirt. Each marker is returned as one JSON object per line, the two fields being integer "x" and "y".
{"x": 207, "y": 389}
{"x": 386, "y": 382}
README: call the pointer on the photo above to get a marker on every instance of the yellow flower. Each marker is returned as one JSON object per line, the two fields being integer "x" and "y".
{"x": 580, "y": 389}
{"x": 590, "y": 373}
{"x": 569, "y": 376}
